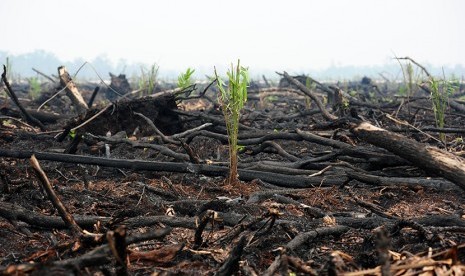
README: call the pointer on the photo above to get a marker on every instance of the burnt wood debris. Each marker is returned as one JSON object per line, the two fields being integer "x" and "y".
{"x": 334, "y": 179}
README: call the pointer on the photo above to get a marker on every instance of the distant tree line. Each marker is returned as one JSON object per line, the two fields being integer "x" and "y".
{"x": 48, "y": 63}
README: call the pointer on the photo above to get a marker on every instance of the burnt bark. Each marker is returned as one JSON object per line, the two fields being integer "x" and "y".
{"x": 430, "y": 158}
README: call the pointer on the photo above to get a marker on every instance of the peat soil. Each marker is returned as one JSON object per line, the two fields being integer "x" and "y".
{"x": 302, "y": 206}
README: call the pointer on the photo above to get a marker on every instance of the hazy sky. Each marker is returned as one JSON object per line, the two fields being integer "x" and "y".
{"x": 269, "y": 34}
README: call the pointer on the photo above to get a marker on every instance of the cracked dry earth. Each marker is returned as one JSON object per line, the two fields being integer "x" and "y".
{"x": 335, "y": 225}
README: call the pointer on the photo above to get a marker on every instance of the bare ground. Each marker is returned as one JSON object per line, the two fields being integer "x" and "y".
{"x": 409, "y": 222}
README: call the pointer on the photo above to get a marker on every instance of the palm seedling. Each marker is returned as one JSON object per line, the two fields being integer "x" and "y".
{"x": 440, "y": 92}
{"x": 185, "y": 79}
{"x": 232, "y": 98}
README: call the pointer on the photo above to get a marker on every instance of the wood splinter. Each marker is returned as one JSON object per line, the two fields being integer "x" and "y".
{"x": 71, "y": 90}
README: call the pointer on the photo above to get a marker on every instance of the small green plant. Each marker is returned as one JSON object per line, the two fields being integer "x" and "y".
{"x": 407, "y": 89}
{"x": 232, "y": 100}
{"x": 153, "y": 78}
{"x": 185, "y": 79}
{"x": 148, "y": 79}
{"x": 440, "y": 92}
{"x": 411, "y": 79}
{"x": 9, "y": 67}
{"x": 34, "y": 87}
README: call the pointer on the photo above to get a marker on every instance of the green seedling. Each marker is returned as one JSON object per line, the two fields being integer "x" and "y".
{"x": 153, "y": 73}
{"x": 232, "y": 100}
{"x": 34, "y": 87}
{"x": 72, "y": 134}
{"x": 148, "y": 80}
{"x": 185, "y": 79}
{"x": 440, "y": 92}
{"x": 407, "y": 89}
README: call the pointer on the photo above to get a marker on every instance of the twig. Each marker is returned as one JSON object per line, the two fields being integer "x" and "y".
{"x": 372, "y": 207}
{"x": 44, "y": 75}
{"x": 198, "y": 241}
{"x": 141, "y": 196}
{"x": 65, "y": 215}
{"x": 164, "y": 138}
{"x": 231, "y": 265}
{"x": 311, "y": 137}
{"x": 117, "y": 243}
{"x": 405, "y": 123}
{"x": 92, "y": 98}
{"x": 309, "y": 93}
{"x": 416, "y": 63}
{"x": 51, "y": 98}
{"x": 189, "y": 131}
{"x": 172, "y": 188}
{"x": 193, "y": 157}
{"x": 18, "y": 121}
{"x": 270, "y": 271}
{"x": 301, "y": 238}
{"x": 92, "y": 118}
{"x": 161, "y": 148}
{"x": 321, "y": 172}
{"x": 198, "y": 96}
{"x": 13, "y": 96}
{"x": 382, "y": 245}
{"x": 280, "y": 150}
{"x": 97, "y": 256}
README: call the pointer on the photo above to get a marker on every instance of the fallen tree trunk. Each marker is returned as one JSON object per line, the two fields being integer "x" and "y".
{"x": 428, "y": 158}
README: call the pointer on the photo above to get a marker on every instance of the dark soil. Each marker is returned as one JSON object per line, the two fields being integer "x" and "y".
{"x": 412, "y": 222}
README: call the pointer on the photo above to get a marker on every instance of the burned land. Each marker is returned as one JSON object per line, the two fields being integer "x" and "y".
{"x": 341, "y": 178}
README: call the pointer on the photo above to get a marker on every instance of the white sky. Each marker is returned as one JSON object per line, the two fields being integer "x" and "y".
{"x": 273, "y": 34}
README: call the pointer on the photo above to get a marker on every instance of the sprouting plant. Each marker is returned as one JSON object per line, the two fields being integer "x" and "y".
{"x": 9, "y": 67}
{"x": 148, "y": 79}
{"x": 34, "y": 87}
{"x": 153, "y": 78}
{"x": 185, "y": 79}
{"x": 409, "y": 78}
{"x": 440, "y": 92}
{"x": 439, "y": 104}
{"x": 232, "y": 100}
